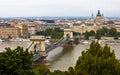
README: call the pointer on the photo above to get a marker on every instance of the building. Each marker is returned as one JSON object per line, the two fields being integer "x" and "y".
{"x": 117, "y": 25}
{"x": 23, "y": 29}
{"x": 3, "y": 25}
{"x": 32, "y": 30}
{"x": 83, "y": 27}
{"x": 91, "y": 24}
{"x": 99, "y": 18}
{"x": 95, "y": 24}
{"x": 10, "y": 32}
{"x": 13, "y": 30}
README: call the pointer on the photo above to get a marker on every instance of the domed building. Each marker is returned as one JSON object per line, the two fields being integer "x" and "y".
{"x": 94, "y": 24}
{"x": 99, "y": 18}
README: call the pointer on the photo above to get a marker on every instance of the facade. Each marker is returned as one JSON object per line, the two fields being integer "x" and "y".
{"x": 53, "y": 25}
{"x": 32, "y": 30}
{"x": 13, "y": 30}
{"x": 10, "y": 32}
{"x": 23, "y": 30}
{"x": 83, "y": 27}
{"x": 99, "y": 18}
{"x": 3, "y": 25}
{"x": 117, "y": 26}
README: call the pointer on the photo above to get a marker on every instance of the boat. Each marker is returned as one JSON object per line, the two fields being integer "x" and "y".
{"x": 112, "y": 42}
{"x": 15, "y": 39}
{"x": 1, "y": 40}
{"x": 101, "y": 42}
{"x": 19, "y": 39}
{"x": 47, "y": 41}
{"x": 109, "y": 42}
{"x": 25, "y": 40}
{"x": 84, "y": 42}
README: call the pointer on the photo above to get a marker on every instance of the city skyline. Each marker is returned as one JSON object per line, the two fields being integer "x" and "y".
{"x": 23, "y": 8}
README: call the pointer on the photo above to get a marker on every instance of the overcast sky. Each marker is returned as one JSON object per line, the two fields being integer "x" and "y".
{"x": 19, "y": 8}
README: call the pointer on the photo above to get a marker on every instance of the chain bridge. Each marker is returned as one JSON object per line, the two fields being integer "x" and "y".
{"x": 40, "y": 50}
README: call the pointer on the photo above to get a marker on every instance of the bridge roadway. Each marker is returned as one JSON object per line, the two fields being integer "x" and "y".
{"x": 48, "y": 48}
{"x": 58, "y": 43}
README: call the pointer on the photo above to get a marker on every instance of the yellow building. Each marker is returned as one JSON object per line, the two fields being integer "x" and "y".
{"x": 23, "y": 30}
{"x": 92, "y": 24}
{"x": 99, "y": 18}
{"x": 117, "y": 25}
{"x": 83, "y": 27}
{"x": 10, "y": 32}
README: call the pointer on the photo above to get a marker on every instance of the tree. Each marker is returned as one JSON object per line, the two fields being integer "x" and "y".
{"x": 40, "y": 32}
{"x": 43, "y": 71}
{"x": 16, "y": 62}
{"x": 97, "y": 36}
{"x": 48, "y": 31}
{"x": 105, "y": 31}
{"x": 70, "y": 71}
{"x": 112, "y": 32}
{"x": 87, "y": 35}
{"x": 92, "y": 33}
{"x": 97, "y": 60}
{"x": 116, "y": 37}
{"x": 57, "y": 72}
{"x": 76, "y": 33}
{"x": 55, "y": 33}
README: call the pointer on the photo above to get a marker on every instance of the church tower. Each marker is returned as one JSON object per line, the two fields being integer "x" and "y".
{"x": 99, "y": 18}
{"x": 92, "y": 19}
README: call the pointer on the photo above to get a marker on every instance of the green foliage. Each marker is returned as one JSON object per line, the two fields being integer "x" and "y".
{"x": 97, "y": 60}
{"x": 76, "y": 33}
{"x": 116, "y": 37}
{"x": 88, "y": 34}
{"x": 15, "y": 62}
{"x": 102, "y": 32}
{"x": 55, "y": 33}
{"x": 70, "y": 71}
{"x": 40, "y": 33}
{"x": 118, "y": 34}
{"x": 107, "y": 32}
{"x": 92, "y": 33}
{"x": 112, "y": 32}
{"x": 43, "y": 71}
{"x": 98, "y": 36}
{"x": 57, "y": 72}
{"x": 48, "y": 31}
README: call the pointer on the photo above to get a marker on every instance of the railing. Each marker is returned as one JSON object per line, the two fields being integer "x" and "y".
{"x": 30, "y": 45}
{"x": 36, "y": 57}
{"x": 61, "y": 41}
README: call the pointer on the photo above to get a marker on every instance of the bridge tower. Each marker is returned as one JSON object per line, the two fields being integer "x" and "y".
{"x": 40, "y": 41}
{"x": 68, "y": 32}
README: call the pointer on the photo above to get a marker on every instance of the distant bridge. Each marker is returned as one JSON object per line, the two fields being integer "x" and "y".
{"x": 40, "y": 50}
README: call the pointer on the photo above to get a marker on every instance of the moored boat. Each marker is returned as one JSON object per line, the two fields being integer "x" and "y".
{"x": 1, "y": 40}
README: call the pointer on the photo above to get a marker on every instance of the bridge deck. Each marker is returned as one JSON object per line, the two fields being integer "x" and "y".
{"x": 48, "y": 48}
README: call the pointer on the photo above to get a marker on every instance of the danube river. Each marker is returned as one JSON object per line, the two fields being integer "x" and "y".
{"x": 61, "y": 57}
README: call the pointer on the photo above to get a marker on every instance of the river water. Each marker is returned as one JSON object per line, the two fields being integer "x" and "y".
{"x": 61, "y": 57}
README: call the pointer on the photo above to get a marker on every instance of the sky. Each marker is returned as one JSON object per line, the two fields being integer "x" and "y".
{"x": 31, "y": 8}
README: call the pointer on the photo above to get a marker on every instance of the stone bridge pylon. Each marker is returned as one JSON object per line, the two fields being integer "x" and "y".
{"x": 68, "y": 33}
{"x": 40, "y": 42}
